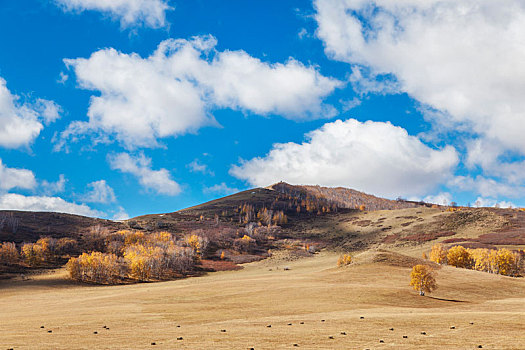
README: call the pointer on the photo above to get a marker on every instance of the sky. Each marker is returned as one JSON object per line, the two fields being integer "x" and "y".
{"x": 118, "y": 108}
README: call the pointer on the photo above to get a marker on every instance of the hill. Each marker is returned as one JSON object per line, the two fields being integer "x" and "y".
{"x": 21, "y": 226}
{"x": 283, "y": 216}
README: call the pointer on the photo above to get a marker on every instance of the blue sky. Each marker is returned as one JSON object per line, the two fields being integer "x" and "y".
{"x": 126, "y": 107}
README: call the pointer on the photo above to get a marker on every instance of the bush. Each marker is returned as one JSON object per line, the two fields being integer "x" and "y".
{"x": 344, "y": 260}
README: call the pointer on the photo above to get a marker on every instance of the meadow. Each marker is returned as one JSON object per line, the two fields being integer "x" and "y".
{"x": 282, "y": 302}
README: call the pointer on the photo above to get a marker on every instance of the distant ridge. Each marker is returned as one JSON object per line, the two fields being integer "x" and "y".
{"x": 343, "y": 197}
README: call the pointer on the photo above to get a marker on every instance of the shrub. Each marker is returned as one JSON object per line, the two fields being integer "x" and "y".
{"x": 344, "y": 260}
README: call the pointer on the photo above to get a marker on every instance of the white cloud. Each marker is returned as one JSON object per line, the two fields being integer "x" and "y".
{"x": 350, "y": 104}
{"x": 489, "y": 202}
{"x": 120, "y": 215}
{"x": 99, "y": 192}
{"x": 221, "y": 188}
{"x": 375, "y": 157}
{"x": 51, "y": 188}
{"x": 12, "y": 201}
{"x": 21, "y": 123}
{"x": 63, "y": 77}
{"x": 150, "y": 13}
{"x": 197, "y": 167}
{"x": 48, "y": 110}
{"x": 140, "y": 166}
{"x": 443, "y": 198}
{"x": 486, "y": 187}
{"x": 15, "y": 178}
{"x": 173, "y": 91}
{"x": 303, "y": 33}
{"x": 463, "y": 58}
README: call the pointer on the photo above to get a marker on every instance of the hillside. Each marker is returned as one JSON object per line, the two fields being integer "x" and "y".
{"x": 20, "y": 226}
{"x": 327, "y": 216}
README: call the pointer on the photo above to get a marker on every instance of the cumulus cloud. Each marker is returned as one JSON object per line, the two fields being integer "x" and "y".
{"x": 12, "y": 201}
{"x": 21, "y": 123}
{"x": 99, "y": 192}
{"x": 173, "y": 91}
{"x": 462, "y": 58}
{"x": 150, "y": 13}
{"x": 374, "y": 157}
{"x": 15, "y": 178}
{"x": 140, "y": 166}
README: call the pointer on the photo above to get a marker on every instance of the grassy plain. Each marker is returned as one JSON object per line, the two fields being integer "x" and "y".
{"x": 484, "y": 309}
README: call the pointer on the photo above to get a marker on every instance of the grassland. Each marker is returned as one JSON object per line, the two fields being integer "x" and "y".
{"x": 484, "y": 309}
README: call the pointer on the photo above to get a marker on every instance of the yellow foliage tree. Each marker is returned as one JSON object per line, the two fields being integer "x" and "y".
{"x": 507, "y": 262}
{"x": 481, "y": 259}
{"x": 344, "y": 260}
{"x": 438, "y": 254}
{"x": 423, "y": 279}
{"x": 8, "y": 253}
{"x": 458, "y": 256}
{"x": 194, "y": 242}
{"x": 95, "y": 267}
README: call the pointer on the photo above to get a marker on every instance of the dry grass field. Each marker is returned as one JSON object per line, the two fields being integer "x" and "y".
{"x": 310, "y": 305}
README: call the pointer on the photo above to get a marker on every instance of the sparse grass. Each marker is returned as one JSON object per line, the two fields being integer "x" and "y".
{"x": 244, "y": 302}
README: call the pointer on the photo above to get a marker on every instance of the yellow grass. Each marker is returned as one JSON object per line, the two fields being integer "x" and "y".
{"x": 244, "y": 302}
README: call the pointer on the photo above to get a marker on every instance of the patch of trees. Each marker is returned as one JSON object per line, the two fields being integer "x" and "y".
{"x": 108, "y": 257}
{"x": 339, "y": 197}
{"x": 137, "y": 256}
{"x": 248, "y": 213}
{"x": 500, "y": 261}
{"x": 47, "y": 251}
{"x": 344, "y": 260}
{"x": 9, "y": 254}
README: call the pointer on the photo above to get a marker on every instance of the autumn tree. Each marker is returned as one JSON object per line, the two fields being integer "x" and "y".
{"x": 508, "y": 263}
{"x": 31, "y": 254}
{"x": 344, "y": 260}
{"x": 95, "y": 267}
{"x": 458, "y": 256}
{"x": 438, "y": 254}
{"x": 197, "y": 243}
{"x": 8, "y": 253}
{"x": 480, "y": 259}
{"x": 423, "y": 279}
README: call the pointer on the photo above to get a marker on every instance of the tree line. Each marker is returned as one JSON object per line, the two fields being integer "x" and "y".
{"x": 500, "y": 261}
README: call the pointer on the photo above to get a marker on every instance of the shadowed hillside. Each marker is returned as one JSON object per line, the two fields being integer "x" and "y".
{"x": 21, "y": 226}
